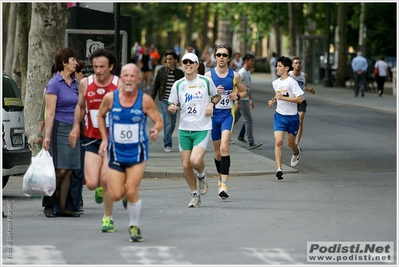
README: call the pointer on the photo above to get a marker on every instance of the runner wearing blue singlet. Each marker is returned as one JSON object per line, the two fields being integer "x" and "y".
{"x": 230, "y": 87}
{"x": 127, "y": 143}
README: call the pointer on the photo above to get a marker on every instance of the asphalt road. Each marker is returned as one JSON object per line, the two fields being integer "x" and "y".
{"x": 345, "y": 190}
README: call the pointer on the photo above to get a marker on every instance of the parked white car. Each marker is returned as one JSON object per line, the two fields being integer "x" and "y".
{"x": 16, "y": 154}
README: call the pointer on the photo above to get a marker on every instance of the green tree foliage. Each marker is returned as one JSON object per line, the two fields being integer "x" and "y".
{"x": 159, "y": 18}
{"x": 381, "y": 23}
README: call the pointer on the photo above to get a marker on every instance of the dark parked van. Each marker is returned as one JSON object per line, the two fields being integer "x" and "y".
{"x": 16, "y": 154}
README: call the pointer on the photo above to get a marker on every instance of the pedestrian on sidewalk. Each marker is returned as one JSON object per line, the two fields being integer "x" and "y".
{"x": 286, "y": 118}
{"x": 61, "y": 99}
{"x": 195, "y": 96}
{"x": 127, "y": 143}
{"x": 246, "y": 104}
{"x": 273, "y": 64}
{"x": 231, "y": 88}
{"x": 383, "y": 74}
{"x": 92, "y": 90}
{"x": 359, "y": 67}
{"x": 163, "y": 82}
{"x": 298, "y": 75}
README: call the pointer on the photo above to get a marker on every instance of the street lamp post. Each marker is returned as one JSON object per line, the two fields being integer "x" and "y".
{"x": 327, "y": 81}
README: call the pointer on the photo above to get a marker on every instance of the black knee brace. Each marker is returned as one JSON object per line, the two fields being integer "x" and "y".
{"x": 225, "y": 165}
{"x": 217, "y": 164}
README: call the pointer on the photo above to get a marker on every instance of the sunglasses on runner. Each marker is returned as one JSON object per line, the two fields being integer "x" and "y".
{"x": 186, "y": 61}
{"x": 220, "y": 55}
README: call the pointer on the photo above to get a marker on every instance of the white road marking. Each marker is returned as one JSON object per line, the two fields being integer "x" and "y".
{"x": 152, "y": 255}
{"x": 20, "y": 255}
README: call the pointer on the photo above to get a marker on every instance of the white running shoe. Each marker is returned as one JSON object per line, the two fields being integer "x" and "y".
{"x": 195, "y": 201}
{"x": 222, "y": 192}
{"x": 203, "y": 185}
{"x": 295, "y": 159}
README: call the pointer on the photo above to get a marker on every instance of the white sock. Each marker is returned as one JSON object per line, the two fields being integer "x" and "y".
{"x": 195, "y": 192}
{"x": 134, "y": 210}
{"x": 201, "y": 175}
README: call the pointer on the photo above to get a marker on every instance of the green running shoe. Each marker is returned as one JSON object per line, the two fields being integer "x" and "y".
{"x": 135, "y": 234}
{"x": 108, "y": 225}
{"x": 98, "y": 195}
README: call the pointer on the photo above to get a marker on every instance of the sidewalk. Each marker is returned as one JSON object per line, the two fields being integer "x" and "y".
{"x": 246, "y": 163}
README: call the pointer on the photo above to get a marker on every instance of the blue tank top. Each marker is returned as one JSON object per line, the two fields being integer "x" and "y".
{"x": 226, "y": 106}
{"x": 127, "y": 139}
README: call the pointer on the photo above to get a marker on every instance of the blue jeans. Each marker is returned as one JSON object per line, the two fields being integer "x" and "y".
{"x": 76, "y": 185}
{"x": 169, "y": 122}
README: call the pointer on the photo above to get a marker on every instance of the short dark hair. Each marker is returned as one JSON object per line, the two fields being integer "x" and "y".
{"x": 101, "y": 52}
{"x": 201, "y": 68}
{"x": 62, "y": 56}
{"x": 223, "y": 45}
{"x": 248, "y": 56}
{"x": 171, "y": 53}
{"x": 53, "y": 70}
{"x": 286, "y": 61}
{"x": 296, "y": 58}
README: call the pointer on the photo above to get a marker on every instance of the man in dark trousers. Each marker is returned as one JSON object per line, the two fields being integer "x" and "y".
{"x": 163, "y": 82}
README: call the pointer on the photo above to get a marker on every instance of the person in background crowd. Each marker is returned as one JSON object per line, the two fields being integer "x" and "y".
{"x": 237, "y": 62}
{"x": 163, "y": 83}
{"x": 273, "y": 64}
{"x": 146, "y": 65}
{"x": 301, "y": 78}
{"x": 383, "y": 74}
{"x": 177, "y": 49}
{"x": 245, "y": 104}
{"x": 75, "y": 198}
{"x": 359, "y": 67}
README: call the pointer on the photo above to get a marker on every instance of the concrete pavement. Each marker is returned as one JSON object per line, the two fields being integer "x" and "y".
{"x": 246, "y": 163}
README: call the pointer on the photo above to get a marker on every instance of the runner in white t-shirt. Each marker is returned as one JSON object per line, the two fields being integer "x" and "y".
{"x": 195, "y": 96}
{"x": 286, "y": 118}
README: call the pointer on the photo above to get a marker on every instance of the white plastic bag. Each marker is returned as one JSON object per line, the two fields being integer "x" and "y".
{"x": 39, "y": 179}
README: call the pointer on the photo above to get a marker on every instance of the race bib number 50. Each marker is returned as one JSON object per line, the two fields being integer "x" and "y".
{"x": 126, "y": 133}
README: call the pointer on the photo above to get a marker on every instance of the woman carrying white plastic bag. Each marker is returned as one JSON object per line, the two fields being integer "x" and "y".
{"x": 39, "y": 179}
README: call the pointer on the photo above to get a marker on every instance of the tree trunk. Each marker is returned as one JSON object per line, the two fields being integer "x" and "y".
{"x": 6, "y": 13}
{"x": 190, "y": 25}
{"x": 46, "y": 36}
{"x": 292, "y": 27}
{"x": 12, "y": 23}
{"x": 362, "y": 29}
{"x": 215, "y": 28}
{"x": 342, "y": 32}
{"x": 204, "y": 38}
{"x": 23, "y": 21}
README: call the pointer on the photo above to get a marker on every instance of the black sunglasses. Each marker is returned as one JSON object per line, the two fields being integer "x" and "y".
{"x": 220, "y": 55}
{"x": 186, "y": 61}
